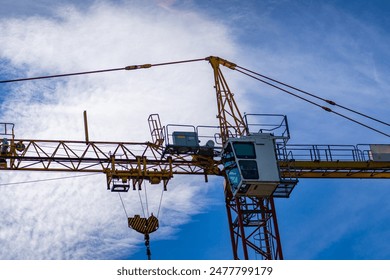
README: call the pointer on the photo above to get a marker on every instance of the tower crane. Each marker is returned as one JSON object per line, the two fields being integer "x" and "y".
{"x": 250, "y": 151}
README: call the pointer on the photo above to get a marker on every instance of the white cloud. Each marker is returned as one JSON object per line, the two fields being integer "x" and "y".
{"x": 78, "y": 218}
{"x": 316, "y": 52}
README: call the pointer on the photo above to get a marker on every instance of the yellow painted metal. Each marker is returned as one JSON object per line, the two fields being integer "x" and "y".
{"x": 231, "y": 122}
{"x": 129, "y": 159}
{"x": 337, "y": 169}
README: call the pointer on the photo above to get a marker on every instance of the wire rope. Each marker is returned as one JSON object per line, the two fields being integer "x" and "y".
{"x": 123, "y": 205}
{"x": 245, "y": 71}
{"x": 313, "y": 103}
{"x": 314, "y": 96}
{"x": 142, "y": 204}
{"x": 159, "y": 205}
{"x": 146, "y": 200}
{"x": 131, "y": 67}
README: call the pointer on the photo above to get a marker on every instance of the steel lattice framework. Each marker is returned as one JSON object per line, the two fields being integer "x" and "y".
{"x": 252, "y": 220}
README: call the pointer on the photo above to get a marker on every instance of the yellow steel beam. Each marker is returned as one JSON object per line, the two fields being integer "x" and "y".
{"x": 134, "y": 158}
{"x": 336, "y": 169}
{"x": 81, "y": 156}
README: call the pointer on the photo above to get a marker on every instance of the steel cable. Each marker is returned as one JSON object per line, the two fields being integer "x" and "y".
{"x": 313, "y": 103}
{"x": 315, "y": 96}
{"x": 131, "y": 67}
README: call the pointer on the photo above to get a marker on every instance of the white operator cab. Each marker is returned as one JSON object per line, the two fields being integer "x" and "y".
{"x": 251, "y": 165}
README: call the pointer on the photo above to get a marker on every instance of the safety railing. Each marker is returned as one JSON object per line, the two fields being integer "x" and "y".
{"x": 7, "y": 129}
{"x": 276, "y": 125}
{"x": 323, "y": 152}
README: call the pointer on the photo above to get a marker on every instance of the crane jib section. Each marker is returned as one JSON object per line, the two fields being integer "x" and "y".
{"x": 335, "y": 161}
{"x": 122, "y": 162}
{"x": 137, "y": 161}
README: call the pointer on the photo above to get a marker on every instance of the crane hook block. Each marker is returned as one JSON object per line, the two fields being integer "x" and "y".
{"x": 143, "y": 225}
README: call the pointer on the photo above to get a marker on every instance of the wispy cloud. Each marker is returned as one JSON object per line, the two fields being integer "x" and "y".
{"x": 78, "y": 218}
{"x": 316, "y": 47}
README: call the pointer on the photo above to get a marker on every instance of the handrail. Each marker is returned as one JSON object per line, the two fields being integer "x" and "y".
{"x": 322, "y": 152}
{"x": 7, "y": 129}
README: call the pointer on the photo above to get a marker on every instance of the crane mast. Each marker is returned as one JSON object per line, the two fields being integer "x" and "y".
{"x": 256, "y": 162}
{"x": 252, "y": 216}
{"x": 252, "y": 220}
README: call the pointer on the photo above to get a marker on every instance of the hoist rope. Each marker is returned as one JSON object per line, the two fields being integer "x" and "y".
{"x": 142, "y": 204}
{"x": 147, "y": 244}
{"x": 147, "y": 217}
{"x": 159, "y": 206}
{"x": 123, "y": 205}
{"x": 146, "y": 200}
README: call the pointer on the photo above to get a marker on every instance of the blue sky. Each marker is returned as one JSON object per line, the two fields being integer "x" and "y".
{"x": 336, "y": 49}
